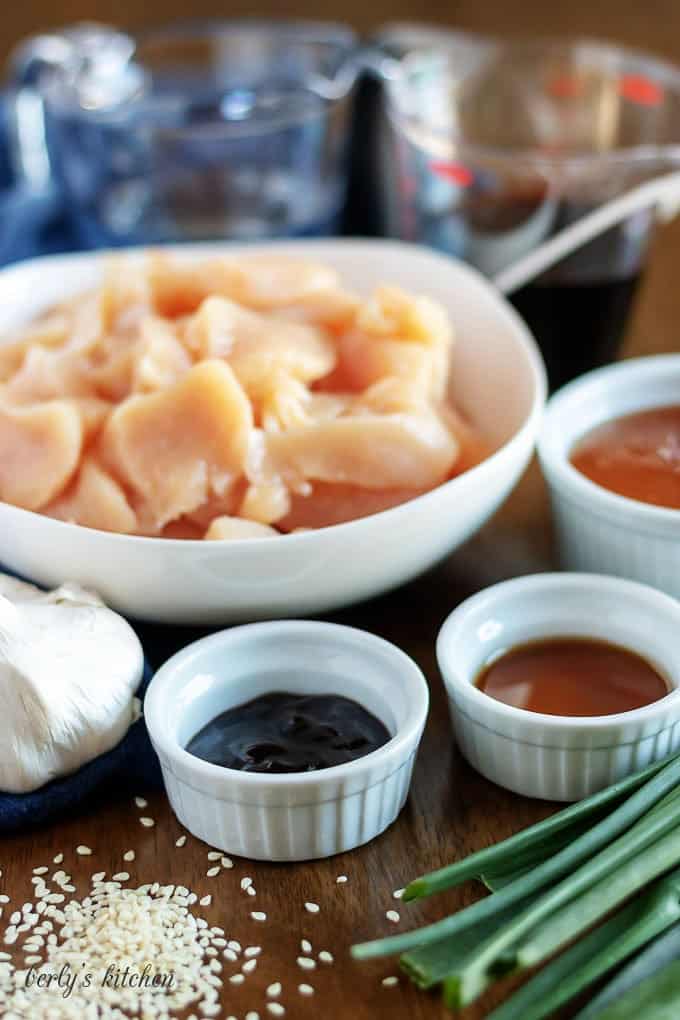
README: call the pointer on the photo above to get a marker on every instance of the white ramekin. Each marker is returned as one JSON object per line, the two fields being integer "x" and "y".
{"x": 597, "y": 529}
{"x": 298, "y": 816}
{"x": 554, "y": 757}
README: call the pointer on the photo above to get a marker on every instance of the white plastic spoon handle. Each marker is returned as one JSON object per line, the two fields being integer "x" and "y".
{"x": 663, "y": 192}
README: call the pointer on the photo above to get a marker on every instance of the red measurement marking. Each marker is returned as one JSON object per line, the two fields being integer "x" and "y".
{"x": 641, "y": 90}
{"x": 454, "y": 172}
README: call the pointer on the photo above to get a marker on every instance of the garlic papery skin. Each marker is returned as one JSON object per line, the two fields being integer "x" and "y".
{"x": 69, "y": 670}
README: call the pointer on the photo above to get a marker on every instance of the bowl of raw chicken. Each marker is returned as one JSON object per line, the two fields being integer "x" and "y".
{"x": 205, "y": 434}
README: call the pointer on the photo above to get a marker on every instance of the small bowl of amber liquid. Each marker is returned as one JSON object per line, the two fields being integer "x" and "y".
{"x": 610, "y": 452}
{"x": 561, "y": 684}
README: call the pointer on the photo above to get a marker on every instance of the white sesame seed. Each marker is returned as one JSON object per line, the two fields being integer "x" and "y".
{"x": 237, "y": 979}
{"x": 252, "y": 1015}
{"x": 392, "y": 916}
{"x": 252, "y": 951}
{"x": 99, "y": 876}
{"x": 122, "y": 876}
{"x": 398, "y": 893}
{"x": 148, "y": 823}
{"x": 226, "y": 862}
{"x": 305, "y": 989}
{"x": 258, "y": 915}
{"x": 246, "y": 882}
{"x": 129, "y": 855}
{"x": 273, "y": 991}
{"x": 181, "y": 841}
{"x": 205, "y": 901}
{"x": 83, "y": 851}
{"x": 32, "y": 960}
{"x": 58, "y": 859}
{"x": 233, "y": 944}
{"x": 40, "y": 871}
{"x": 312, "y": 908}
{"x": 4, "y": 898}
{"x": 306, "y": 962}
{"x": 391, "y": 981}
{"x": 214, "y": 855}
{"x": 249, "y": 966}
{"x": 230, "y": 955}
{"x": 325, "y": 956}
{"x": 15, "y": 918}
{"x": 251, "y": 890}
{"x": 276, "y": 1009}
{"x": 212, "y": 872}
{"x": 141, "y": 802}
{"x": 306, "y": 946}
{"x": 341, "y": 879}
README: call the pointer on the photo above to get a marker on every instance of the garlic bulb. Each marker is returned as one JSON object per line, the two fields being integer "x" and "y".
{"x": 69, "y": 669}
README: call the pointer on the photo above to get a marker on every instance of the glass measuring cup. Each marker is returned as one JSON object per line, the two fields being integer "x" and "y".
{"x": 490, "y": 148}
{"x": 227, "y": 129}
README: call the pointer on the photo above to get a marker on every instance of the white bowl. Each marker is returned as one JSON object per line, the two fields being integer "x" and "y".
{"x": 298, "y": 816}
{"x": 597, "y": 529}
{"x": 497, "y": 378}
{"x": 554, "y": 757}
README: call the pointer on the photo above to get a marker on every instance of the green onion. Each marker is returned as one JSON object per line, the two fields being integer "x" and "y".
{"x": 656, "y": 955}
{"x": 655, "y": 998}
{"x": 525, "y": 848}
{"x": 605, "y": 880}
{"x": 547, "y": 873}
{"x": 600, "y": 951}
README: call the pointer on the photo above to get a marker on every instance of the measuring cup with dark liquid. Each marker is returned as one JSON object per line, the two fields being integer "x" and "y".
{"x": 488, "y": 149}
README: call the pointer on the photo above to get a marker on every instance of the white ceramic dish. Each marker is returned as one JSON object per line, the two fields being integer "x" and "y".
{"x": 544, "y": 755}
{"x": 598, "y": 529}
{"x": 497, "y": 378}
{"x": 297, "y": 816}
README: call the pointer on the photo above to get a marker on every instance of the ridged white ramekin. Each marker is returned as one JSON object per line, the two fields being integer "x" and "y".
{"x": 555, "y": 757}
{"x": 298, "y": 816}
{"x": 598, "y": 529}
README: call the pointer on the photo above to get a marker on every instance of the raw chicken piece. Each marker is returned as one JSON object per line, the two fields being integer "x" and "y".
{"x": 179, "y": 446}
{"x": 50, "y": 330}
{"x": 47, "y": 374}
{"x": 236, "y": 527}
{"x": 125, "y": 295}
{"x": 93, "y": 413}
{"x": 159, "y": 359}
{"x": 329, "y": 504}
{"x": 95, "y": 500}
{"x": 257, "y": 346}
{"x": 267, "y": 502}
{"x": 414, "y": 451}
{"x": 40, "y": 447}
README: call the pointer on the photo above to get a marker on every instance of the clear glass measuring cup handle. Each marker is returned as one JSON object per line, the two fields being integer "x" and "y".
{"x": 662, "y": 192}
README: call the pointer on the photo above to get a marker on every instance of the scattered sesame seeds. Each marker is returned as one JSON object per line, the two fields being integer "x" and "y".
{"x": 391, "y": 981}
{"x": 392, "y": 916}
{"x": 246, "y": 882}
{"x": 148, "y": 823}
{"x": 306, "y": 962}
{"x": 4, "y": 898}
{"x": 84, "y": 851}
{"x": 251, "y": 890}
{"x": 205, "y": 901}
{"x": 237, "y": 979}
{"x": 129, "y": 855}
{"x": 122, "y": 876}
{"x": 398, "y": 893}
{"x": 273, "y": 991}
{"x": 306, "y": 946}
{"x": 276, "y": 1009}
{"x": 181, "y": 841}
{"x": 249, "y": 966}
{"x": 258, "y": 915}
{"x": 59, "y": 859}
{"x": 98, "y": 876}
{"x": 230, "y": 955}
{"x": 252, "y": 951}
{"x": 312, "y": 908}
{"x": 305, "y": 989}
{"x": 325, "y": 956}
{"x": 40, "y": 871}
{"x": 214, "y": 855}
{"x": 233, "y": 944}
{"x": 252, "y": 1015}
{"x": 141, "y": 802}
{"x": 341, "y": 879}
{"x": 226, "y": 862}
{"x": 212, "y": 872}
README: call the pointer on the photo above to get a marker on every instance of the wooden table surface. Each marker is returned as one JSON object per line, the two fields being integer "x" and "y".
{"x": 450, "y": 812}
